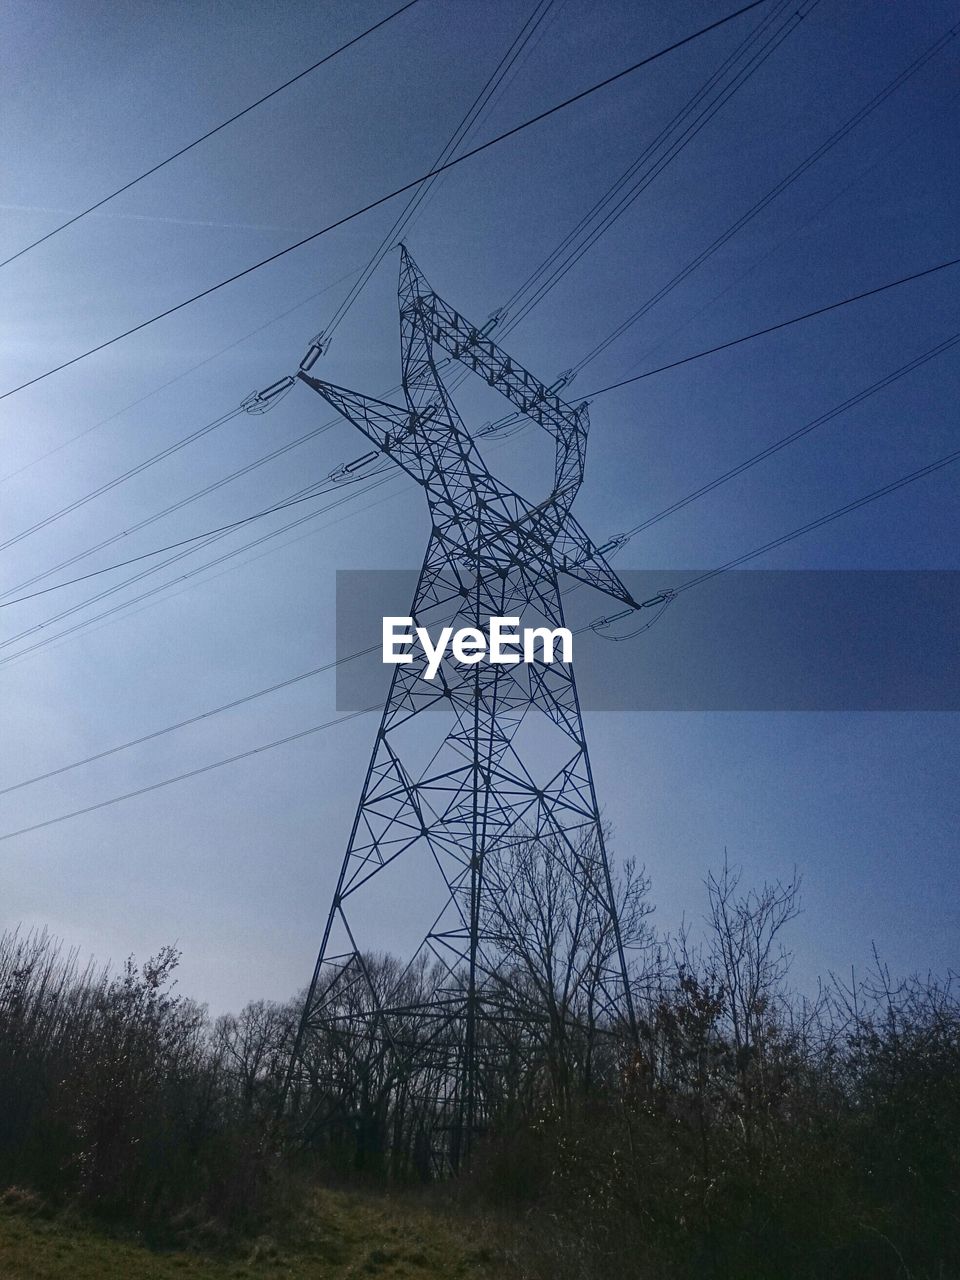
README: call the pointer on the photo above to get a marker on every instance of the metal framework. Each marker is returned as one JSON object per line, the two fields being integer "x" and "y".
{"x": 490, "y": 552}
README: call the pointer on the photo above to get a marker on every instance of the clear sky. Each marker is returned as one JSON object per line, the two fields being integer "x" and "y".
{"x": 237, "y": 865}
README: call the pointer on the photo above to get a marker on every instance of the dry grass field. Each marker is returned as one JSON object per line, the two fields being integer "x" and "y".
{"x": 345, "y": 1236}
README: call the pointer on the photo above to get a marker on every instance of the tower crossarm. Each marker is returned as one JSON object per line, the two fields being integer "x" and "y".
{"x": 390, "y": 427}
{"x": 472, "y": 346}
{"x": 566, "y": 543}
{"x": 576, "y": 555}
{"x": 400, "y": 433}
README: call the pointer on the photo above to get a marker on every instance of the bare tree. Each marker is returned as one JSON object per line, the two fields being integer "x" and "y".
{"x": 254, "y": 1048}
{"x": 554, "y": 949}
{"x": 747, "y": 952}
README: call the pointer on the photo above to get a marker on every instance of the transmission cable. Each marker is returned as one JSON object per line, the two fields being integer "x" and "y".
{"x": 844, "y": 129}
{"x": 841, "y": 132}
{"x": 665, "y": 597}
{"x": 470, "y": 118}
{"x": 858, "y": 398}
{"x": 209, "y": 134}
{"x": 183, "y": 724}
{"x": 575, "y": 251}
{"x": 498, "y": 88}
{"x": 525, "y": 34}
{"x": 494, "y": 80}
{"x": 664, "y": 338}
{"x": 885, "y": 381}
{"x": 902, "y": 78}
{"x": 374, "y": 204}
{"x": 193, "y": 773}
{"x": 857, "y": 503}
{"x": 528, "y": 282}
{"x": 820, "y": 521}
{"x": 837, "y": 136}
{"x": 186, "y": 582}
{"x": 222, "y": 351}
{"x": 197, "y": 494}
{"x": 670, "y": 594}
{"x": 196, "y": 545}
{"x": 773, "y": 328}
{"x": 167, "y": 452}
{"x": 598, "y": 624}
{"x": 140, "y": 467}
{"x": 171, "y": 546}
{"x": 202, "y": 541}
{"x": 584, "y": 236}
{"x": 492, "y": 83}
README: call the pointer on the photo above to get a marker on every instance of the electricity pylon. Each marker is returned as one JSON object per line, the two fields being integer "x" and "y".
{"x": 490, "y": 553}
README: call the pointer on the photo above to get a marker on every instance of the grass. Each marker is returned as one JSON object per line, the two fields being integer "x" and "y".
{"x": 345, "y": 1236}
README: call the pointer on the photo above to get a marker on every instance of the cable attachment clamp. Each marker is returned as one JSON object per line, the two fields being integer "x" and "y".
{"x": 261, "y": 401}
{"x": 663, "y": 600}
{"x": 315, "y": 350}
{"x": 613, "y": 544}
{"x": 347, "y": 469}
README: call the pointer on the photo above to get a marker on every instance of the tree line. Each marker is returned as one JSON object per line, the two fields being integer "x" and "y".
{"x": 745, "y": 1130}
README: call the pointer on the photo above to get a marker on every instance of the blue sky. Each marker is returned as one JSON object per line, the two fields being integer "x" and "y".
{"x": 237, "y": 866}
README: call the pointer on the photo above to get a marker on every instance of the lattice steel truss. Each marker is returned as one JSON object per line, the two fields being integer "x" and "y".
{"x": 490, "y": 552}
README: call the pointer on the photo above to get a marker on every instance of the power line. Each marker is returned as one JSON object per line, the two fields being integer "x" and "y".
{"x": 204, "y": 540}
{"x": 192, "y": 773}
{"x": 268, "y": 457}
{"x": 109, "y": 485}
{"x": 184, "y": 501}
{"x": 180, "y": 555}
{"x": 497, "y": 96}
{"x": 782, "y": 324}
{"x": 885, "y": 381}
{"x": 625, "y": 177}
{"x": 196, "y": 434}
{"x": 214, "y": 536}
{"x": 892, "y": 487}
{"x": 693, "y": 582}
{"x": 647, "y": 174}
{"x": 855, "y": 505}
{"x": 772, "y": 544}
{"x": 844, "y": 406}
{"x": 466, "y": 124}
{"x": 186, "y": 582}
{"x": 787, "y": 181}
{"x": 209, "y": 134}
{"x": 463, "y": 129}
{"x": 656, "y": 156}
{"x": 183, "y": 724}
{"x": 858, "y": 398}
{"x": 362, "y": 271}
{"x": 851, "y": 123}
{"x": 665, "y": 337}
{"x": 172, "y": 546}
{"x": 811, "y": 159}
{"x": 374, "y": 204}
{"x": 491, "y": 85}
{"x": 202, "y": 715}
{"x": 671, "y": 593}
{"x": 197, "y": 494}
{"x": 221, "y": 351}
{"x": 209, "y": 536}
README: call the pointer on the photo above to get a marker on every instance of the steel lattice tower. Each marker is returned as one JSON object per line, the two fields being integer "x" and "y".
{"x": 490, "y": 553}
